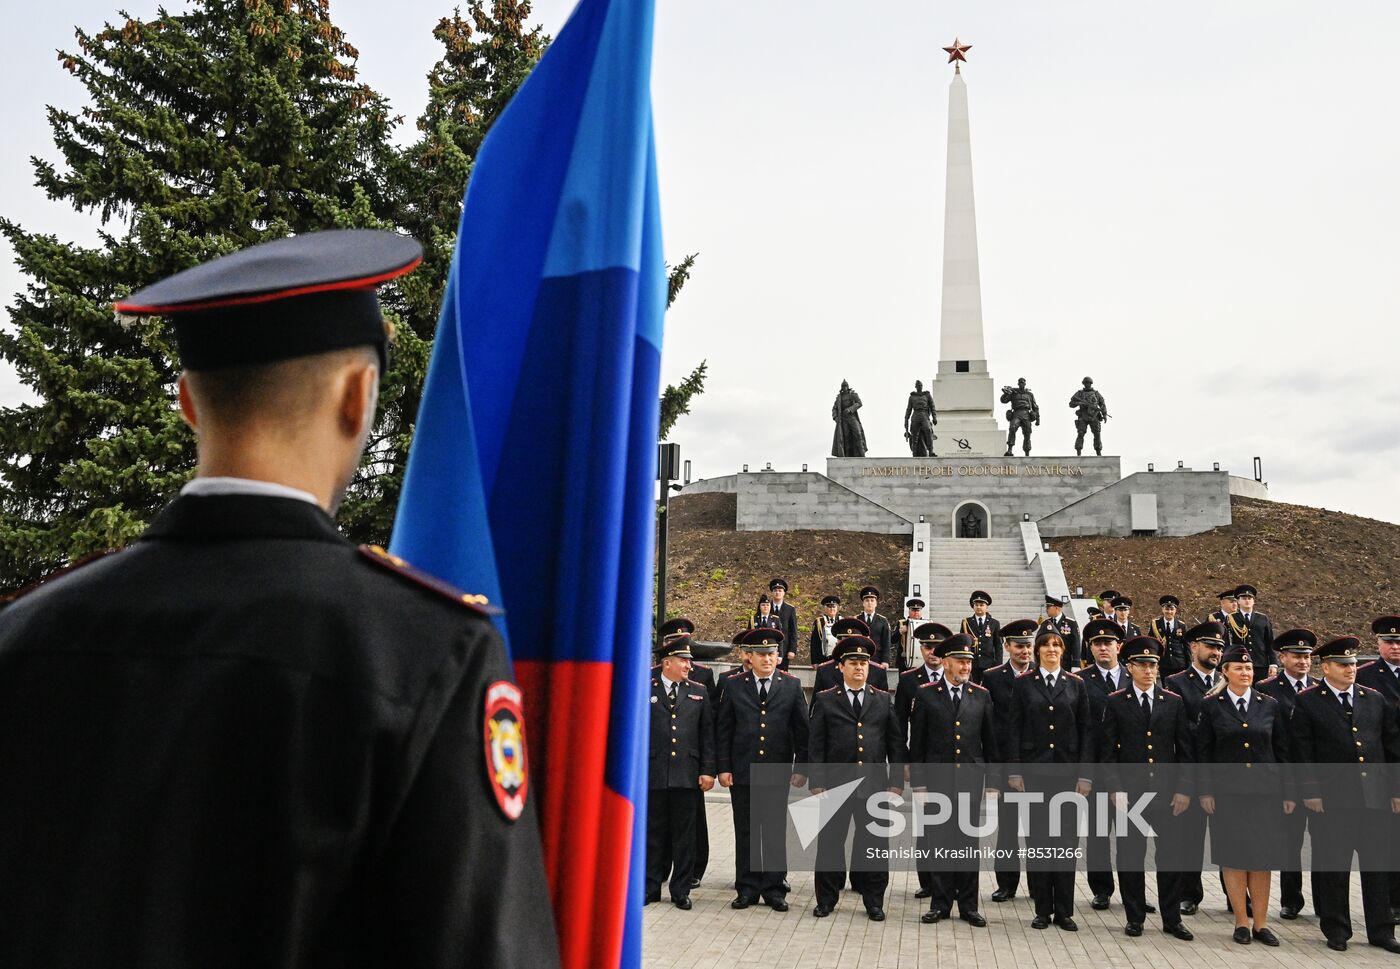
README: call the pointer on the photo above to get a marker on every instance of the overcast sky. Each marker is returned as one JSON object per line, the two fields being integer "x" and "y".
{"x": 1195, "y": 203}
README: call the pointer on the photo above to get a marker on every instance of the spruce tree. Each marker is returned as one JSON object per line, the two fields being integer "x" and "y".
{"x": 204, "y": 132}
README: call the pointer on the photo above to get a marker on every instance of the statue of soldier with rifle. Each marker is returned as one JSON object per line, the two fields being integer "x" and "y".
{"x": 1092, "y": 412}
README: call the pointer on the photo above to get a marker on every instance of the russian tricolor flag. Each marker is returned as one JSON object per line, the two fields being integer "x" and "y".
{"x": 531, "y": 478}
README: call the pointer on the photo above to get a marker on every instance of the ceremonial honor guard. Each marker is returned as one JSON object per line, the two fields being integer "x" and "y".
{"x": 828, "y": 674}
{"x": 1254, "y": 631}
{"x": 682, "y": 758}
{"x": 1057, "y": 622}
{"x": 1144, "y": 724}
{"x": 1243, "y": 729}
{"x": 953, "y": 727}
{"x": 906, "y": 656}
{"x": 928, "y": 635}
{"x": 1122, "y": 608}
{"x": 1018, "y": 637}
{"x": 1295, "y": 648}
{"x": 854, "y": 736}
{"x": 1229, "y": 605}
{"x": 1352, "y": 734}
{"x": 763, "y": 721}
{"x": 985, "y": 632}
{"x": 1170, "y": 633}
{"x": 243, "y": 741}
{"x": 1206, "y": 642}
{"x": 879, "y": 628}
{"x": 787, "y": 620}
{"x": 823, "y": 640}
{"x": 1101, "y": 677}
{"x": 1384, "y": 675}
{"x": 1050, "y": 727}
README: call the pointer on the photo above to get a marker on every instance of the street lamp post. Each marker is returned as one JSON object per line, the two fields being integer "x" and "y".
{"x": 668, "y": 469}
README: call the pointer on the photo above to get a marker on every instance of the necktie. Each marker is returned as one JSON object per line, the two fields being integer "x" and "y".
{"x": 763, "y": 690}
{"x": 671, "y": 693}
{"x": 1146, "y": 706}
{"x": 855, "y": 703}
{"x": 1050, "y": 682}
{"x": 1240, "y": 703}
{"x": 957, "y": 697}
{"x": 1346, "y": 704}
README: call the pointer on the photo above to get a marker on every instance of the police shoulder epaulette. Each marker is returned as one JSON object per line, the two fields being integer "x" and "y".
{"x": 396, "y": 565}
{"x": 1166, "y": 692}
{"x": 1312, "y": 689}
{"x": 1361, "y": 690}
{"x": 829, "y": 689}
{"x": 1367, "y": 665}
{"x": 1269, "y": 679}
{"x": 976, "y": 686}
{"x": 828, "y": 662}
{"x": 58, "y": 573}
{"x": 1076, "y": 674}
{"x": 1030, "y": 672}
{"x": 910, "y": 672}
{"x": 1121, "y": 691}
{"x": 791, "y": 676}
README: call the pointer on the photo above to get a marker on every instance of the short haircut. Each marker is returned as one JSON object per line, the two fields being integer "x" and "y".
{"x": 270, "y": 393}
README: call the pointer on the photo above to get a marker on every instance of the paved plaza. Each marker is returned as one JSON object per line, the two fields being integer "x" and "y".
{"x": 714, "y": 935}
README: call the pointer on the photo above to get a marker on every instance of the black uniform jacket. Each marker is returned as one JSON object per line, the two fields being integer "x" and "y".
{"x": 1176, "y": 655}
{"x": 1127, "y": 737}
{"x": 772, "y": 732}
{"x": 244, "y": 742}
{"x": 879, "y": 635}
{"x": 787, "y": 619}
{"x": 909, "y": 683}
{"x": 839, "y": 738}
{"x": 1257, "y": 634}
{"x": 1049, "y": 726}
{"x": 817, "y": 641}
{"x": 1281, "y": 689}
{"x": 826, "y": 675}
{"x": 1188, "y": 685}
{"x": 1000, "y": 682}
{"x": 1376, "y": 675}
{"x": 1096, "y": 683}
{"x": 939, "y": 734}
{"x": 1258, "y": 741}
{"x": 987, "y": 649}
{"x": 682, "y": 737}
{"x": 1068, "y": 630}
{"x": 1343, "y": 748}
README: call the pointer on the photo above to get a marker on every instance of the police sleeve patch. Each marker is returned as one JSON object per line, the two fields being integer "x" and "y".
{"x": 503, "y": 733}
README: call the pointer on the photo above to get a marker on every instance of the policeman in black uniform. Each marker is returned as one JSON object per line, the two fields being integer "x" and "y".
{"x": 787, "y": 620}
{"x": 952, "y": 740}
{"x": 879, "y": 628}
{"x": 241, "y": 740}
{"x": 702, "y": 674}
{"x": 1383, "y": 674}
{"x": 1144, "y": 725}
{"x": 1051, "y": 731}
{"x": 1018, "y": 637}
{"x": 985, "y": 631}
{"x": 1102, "y": 676}
{"x": 1295, "y": 648}
{"x": 1258, "y": 634}
{"x": 854, "y": 736}
{"x": 1170, "y": 632}
{"x": 928, "y": 635}
{"x": 681, "y": 758}
{"x": 1352, "y": 734}
{"x": 1122, "y": 609}
{"x": 1066, "y": 628}
{"x": 818, "y": 642}
{"x": 762, "y": 722}
{"x": 1206, "y": 641}
{"x": 828, "y": 674}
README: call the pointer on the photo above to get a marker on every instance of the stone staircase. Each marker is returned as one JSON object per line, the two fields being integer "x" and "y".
{"x": 958, "y": 566}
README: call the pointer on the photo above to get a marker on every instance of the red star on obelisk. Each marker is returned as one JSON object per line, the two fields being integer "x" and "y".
{"x": 958, "y": 52}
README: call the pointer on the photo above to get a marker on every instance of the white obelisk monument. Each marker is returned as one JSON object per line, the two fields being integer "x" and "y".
{"x": 962, "y": 389}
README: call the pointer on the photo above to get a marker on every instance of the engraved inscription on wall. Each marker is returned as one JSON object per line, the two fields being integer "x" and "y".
{"x": 1022, "y": 470}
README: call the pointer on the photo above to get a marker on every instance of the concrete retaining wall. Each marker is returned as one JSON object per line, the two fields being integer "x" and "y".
{"x": 725, "y": 484}
{"x": 1248, "y": 488}
{"x": 1188, "y": 503}
{"x": 798, "y": 500}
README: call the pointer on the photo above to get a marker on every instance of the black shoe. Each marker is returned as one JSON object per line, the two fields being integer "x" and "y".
{"x": 1395, "y": 916}
{"x": 875, "y": 914}
{"x": 1288, "y": 913}
{"x": 1067, "y": 924}
{"x": 777, "y": 904}
{"x": 1389, "y": 945}
{"x": 1099, "y": 903}
{"x": 1242, "y": 935}
{"x": 1266, "y": 936}
{"x": 651, "y": 897}
{"x": 787, "y": 889}
{"x": 1003, "y": 895}
{"x": 1188, "y": 908}
{"x": 821, "y": 911}
{"x": 975, "y": 919}
{"x": 1337, "y": 945}
{"x": 1150, "y": 909}
{"x": 1178, "y": 931}
{"x": 682, "y": 903}
{"x": 1133, "y": 929}
{"x": 694, "y": 884}
{"x": 923, "y": 893}
{"x": 932, "y": 916}
{"x": 743, "y": 901}
{"x": 1040, "y": 922}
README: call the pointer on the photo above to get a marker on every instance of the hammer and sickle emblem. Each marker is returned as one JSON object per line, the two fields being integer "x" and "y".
{"x": 963, "y": 444}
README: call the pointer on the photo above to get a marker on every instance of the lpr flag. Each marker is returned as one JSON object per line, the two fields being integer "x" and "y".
{"x": 531, "y": 477}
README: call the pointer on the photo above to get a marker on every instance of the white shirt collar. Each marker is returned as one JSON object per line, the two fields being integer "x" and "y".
{"x": 1349, "y": 692}
{"x": 929, "y": 671}
{"x": 1139, "y": 694}
{"x": 202, "y": 487}
{"x": 1046, "y": 673}
{"x": 1247, "y": 696}
{"x": 1393, "y": 668}
{"x": 1296, "y": 682}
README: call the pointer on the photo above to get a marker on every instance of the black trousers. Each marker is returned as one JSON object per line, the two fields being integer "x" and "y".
{"x": 1098, "y": 859}
{"x": 869, "y": 877}
{"x": 1132, "y": 879}
{"x": 1050, "y": 866}
{"x": 1337, "y": 833}
{"x": 670, "y": 839}
{"x": 702, "y": 837}
{"x": 1191, "y": 829}
{"x": 1290, "y": 881}
{"x": 760, "y": 865}
{"x": 1008, "y": 860}
{"x": 953, "y": 880}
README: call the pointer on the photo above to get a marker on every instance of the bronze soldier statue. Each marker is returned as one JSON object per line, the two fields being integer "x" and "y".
{"x": 919, "y": 418}
{"x": 849, "y": 439}
{"x": 1092, "y": 412}
{"x": 1024, "y": 410}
